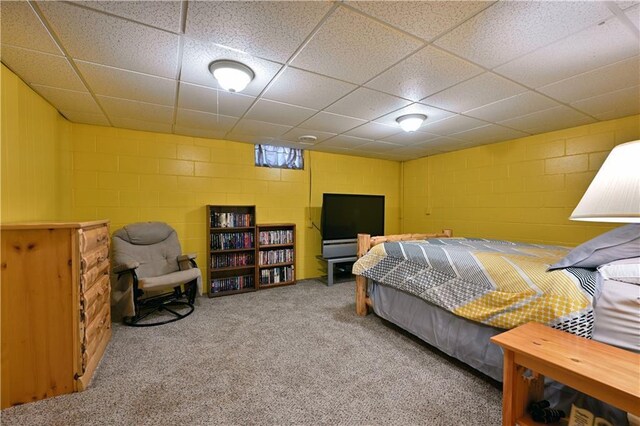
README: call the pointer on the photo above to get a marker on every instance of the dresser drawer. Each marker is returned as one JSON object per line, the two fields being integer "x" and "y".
{"x": 90, "y": 277}
{"x": 90, "y": 239}
{"x": 95, "y": 331}
{"x": 95, "y": 258}
{"x": 96, "y": 297}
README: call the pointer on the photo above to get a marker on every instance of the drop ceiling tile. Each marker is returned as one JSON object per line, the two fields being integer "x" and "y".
{"x": 354, "y": 48}
{"x": 272, "y": 30}
{"x": 610, "y": 78}
{"x": 210, "y": 100}
{"x": 411, "y": 16}
{"x": 252, "y": 139}
{"x": 561, "y": 117}
{"x": 41, "y": 68}
{"x": 135, "y": 111}
{"x": 334, "y": 150}
{"x": 160, "y": 14}
{"x": 626, "y": 4}
{"x": 298, "y": 87}
{"x": 117, "y": 83}
{"x": 260, "y": 128}
{"x": 342, "y": 141}
{"x": 432, "y": 113}
{"x": 524, "y": 103}
{"x": 612, "y": 105}
{"x": 69, "y": 100}
{"x": 489, "y": 134}
{"x": 95, "y": 37}
{"x": 293, "y": 134}
{"x": 279, "y": 113}
{"x": 86, "y": 118}
{"x": 22, "y": 27}
{"x": 586, "y": 50}
{"x": 378, "y": 147}
{"x": 633, "y": 14}
{"x": 410, "y": 138}
{"x": 455, "y": 124}
{"x": 197, "y": 56}
{"x": 199, "y": 133}
{"x": 373, "y": 130}
{"x": 145, "y": 126}
{"x": 423, "y": 73}
{"x": 476, "y": 92}
{"x": 367, "y": 104}
{"x": 333, "y": 123}
{"x": 507, "y": 30}
{"x": 202, "y": 120}
{"x": 443, "y": 144}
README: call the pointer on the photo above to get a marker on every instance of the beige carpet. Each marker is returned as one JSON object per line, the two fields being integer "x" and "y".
{"x": 293, "y": 355}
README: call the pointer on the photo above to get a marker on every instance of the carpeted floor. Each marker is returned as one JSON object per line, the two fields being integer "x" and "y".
{"x": 292, "y": 355}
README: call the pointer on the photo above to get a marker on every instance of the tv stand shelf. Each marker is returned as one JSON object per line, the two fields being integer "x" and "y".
{"x": 333, "y": 261}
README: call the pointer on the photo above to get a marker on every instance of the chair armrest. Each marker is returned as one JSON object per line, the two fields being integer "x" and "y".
{"x": 124, "y": 267}
{"x": 188, "y": 256}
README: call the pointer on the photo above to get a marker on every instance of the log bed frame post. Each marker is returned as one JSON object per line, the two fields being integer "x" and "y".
{"x": 365, "y": 242}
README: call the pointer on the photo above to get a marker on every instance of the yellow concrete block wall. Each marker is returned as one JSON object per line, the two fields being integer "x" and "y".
{"x": 32, "y": 135}
{"x": 523, "y": 190}
{"x": 130, "y": 176}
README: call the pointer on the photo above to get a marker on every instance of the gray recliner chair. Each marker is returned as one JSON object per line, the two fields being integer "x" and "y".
{"x": 154, "y": 283}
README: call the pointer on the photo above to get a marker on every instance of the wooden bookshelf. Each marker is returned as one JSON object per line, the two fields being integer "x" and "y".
{"x": 276, "y": 255}
{"x": 231, "y": 250}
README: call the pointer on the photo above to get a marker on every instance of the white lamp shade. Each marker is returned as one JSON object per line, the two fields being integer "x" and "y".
{"x": 411, "y": 122}
{"x": 614, "y": 194}
{"x": 232, "y": 76}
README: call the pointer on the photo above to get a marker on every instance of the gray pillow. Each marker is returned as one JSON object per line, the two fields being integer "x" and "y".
{"x": 619, "y": 243}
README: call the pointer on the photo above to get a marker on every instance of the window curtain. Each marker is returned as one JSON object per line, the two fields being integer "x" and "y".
{"x": 279, "y": 156}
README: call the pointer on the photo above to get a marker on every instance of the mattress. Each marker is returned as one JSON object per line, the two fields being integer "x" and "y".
{"x": 469, "y": 342}
{"x": 617, "y": 315}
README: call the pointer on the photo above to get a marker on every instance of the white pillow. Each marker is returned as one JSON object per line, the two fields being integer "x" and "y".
{"x": 625, "y": 270}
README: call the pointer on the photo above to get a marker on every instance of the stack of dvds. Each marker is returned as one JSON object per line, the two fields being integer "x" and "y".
{"x": 232, "y": 283}
{"x": 231, "y": 240}
{"x": 280, "y": 236}
{"x": 229, "y": 260}
{"x": 269, "y": 257}
{"x": 230, "y": 220}
{"x": 276, "y": 275}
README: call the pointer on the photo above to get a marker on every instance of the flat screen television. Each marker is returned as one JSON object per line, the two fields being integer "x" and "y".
{"x": 344, "y": 216}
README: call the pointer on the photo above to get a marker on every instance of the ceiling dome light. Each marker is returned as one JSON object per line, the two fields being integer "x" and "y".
{"x": 231, "y": 75}
{"x": 411, "y": 122}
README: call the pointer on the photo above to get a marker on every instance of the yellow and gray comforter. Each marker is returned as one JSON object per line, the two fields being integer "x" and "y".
{"x": 498, "y": 283}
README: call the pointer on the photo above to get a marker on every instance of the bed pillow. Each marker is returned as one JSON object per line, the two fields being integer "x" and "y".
{"x": 619, "y": 243}
{"x": 626, "y": 271}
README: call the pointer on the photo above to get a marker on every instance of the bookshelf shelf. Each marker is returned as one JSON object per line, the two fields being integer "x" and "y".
{"x": 231, "y": 250}
{"x": 231, "y": 268}
{"x": 274, "y": 265}
{"x": 276, "y": 255}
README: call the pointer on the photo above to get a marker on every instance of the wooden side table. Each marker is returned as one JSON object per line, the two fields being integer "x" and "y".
{"x": 605, "y": 372}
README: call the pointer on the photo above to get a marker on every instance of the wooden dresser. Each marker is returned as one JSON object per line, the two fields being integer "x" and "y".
{"x": 56, "y": 316}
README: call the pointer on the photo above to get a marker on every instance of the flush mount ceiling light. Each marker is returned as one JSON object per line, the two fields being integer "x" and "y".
{"x": 231, "y": 75}
{"x": 411, "y": 122}
{"x": 307, "y": 139}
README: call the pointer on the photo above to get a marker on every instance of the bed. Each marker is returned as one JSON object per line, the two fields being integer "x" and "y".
{"x": 431, "y": 285}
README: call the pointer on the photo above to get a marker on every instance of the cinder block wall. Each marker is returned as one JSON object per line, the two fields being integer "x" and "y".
{"x": 523, "y": 189}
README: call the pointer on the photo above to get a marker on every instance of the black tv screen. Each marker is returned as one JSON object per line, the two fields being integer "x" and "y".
{"x": 344, "y": 216}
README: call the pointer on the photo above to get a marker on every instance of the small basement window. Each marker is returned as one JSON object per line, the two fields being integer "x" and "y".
{"x": 279, "y": 156}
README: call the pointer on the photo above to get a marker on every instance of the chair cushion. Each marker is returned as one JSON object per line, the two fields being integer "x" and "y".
{"x": 144, "y": 233}
{"x": 169, "y": 280}
{"x": 154, "y": 245}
